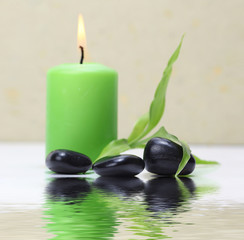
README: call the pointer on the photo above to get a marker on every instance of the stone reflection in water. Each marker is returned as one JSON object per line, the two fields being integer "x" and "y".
{"x": 125, "y": 187}
{"x": 68, "y": 188}
{"x": 168, "y": 194}
{"x": 75, "y": 211}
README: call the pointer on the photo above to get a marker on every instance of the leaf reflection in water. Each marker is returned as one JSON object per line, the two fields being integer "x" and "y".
{"x": 77, "y": 209}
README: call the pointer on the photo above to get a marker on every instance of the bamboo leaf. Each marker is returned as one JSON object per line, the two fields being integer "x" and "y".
{"x": 158, "y": 104}
{"x": 139, "y": 127}
{"x": 149, "y": 120}
{"x": 200, "y": 161}
{"x": 185, "y": 158}
{"x": 160, "y": 133}
{"x": 114, "y": 148}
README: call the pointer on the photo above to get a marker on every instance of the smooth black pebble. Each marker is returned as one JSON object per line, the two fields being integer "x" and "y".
{"x": 163, "y": 157}
{"x": 68, "y": 162}
{"x": 125, "y": 165}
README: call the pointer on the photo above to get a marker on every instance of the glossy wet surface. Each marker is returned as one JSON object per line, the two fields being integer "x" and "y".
{"x": 36, "y": 204}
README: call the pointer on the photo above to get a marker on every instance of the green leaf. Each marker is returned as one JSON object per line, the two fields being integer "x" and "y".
{"x": 114, "y": 148}
{"x": 200, "y": 161}
{"x": 158, "y": 104}
{"x": 149, "y": 121}
{"x": 160, "y": 133}
{"x": 185, "y": 158}
{"x": 139, "y": 127}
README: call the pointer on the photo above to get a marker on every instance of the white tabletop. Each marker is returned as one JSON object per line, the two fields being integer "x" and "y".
{"x": 23, "y": 175}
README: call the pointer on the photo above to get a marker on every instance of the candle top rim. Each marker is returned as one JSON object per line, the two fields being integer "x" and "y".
{"x": 84, "y": 67}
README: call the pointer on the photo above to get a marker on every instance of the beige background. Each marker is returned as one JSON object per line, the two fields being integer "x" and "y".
{"x": 206, "y": 93}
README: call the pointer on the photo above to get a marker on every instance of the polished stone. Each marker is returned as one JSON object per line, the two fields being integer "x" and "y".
{"x": 163, "y": 157}
{"x": 122, "y": 165}
{"x": 68, "y": 162}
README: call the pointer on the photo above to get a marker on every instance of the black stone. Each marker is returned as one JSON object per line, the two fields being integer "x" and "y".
{"x": 122, "y": 165}
{"x": 163, "y": 157}
{"x": 125, "y": 186}
{"x": 68, "y": 162}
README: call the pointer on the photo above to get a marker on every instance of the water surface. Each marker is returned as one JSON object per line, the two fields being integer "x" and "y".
{"x": 36, "y": 204}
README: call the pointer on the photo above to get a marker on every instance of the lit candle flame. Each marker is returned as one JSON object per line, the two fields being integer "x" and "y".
{"x": 81, "y": 35}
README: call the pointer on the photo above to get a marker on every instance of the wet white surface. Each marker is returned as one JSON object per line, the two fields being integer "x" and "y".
{"x": 23, "y": 173}
{"x": 23, "y": 179}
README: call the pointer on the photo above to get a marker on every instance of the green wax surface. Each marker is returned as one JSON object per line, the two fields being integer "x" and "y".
{"x": 81, "y": 108}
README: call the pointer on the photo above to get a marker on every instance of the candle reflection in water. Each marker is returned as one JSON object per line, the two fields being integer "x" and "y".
{"x": 79, "y": 215}
{"x": 78, "y": 209}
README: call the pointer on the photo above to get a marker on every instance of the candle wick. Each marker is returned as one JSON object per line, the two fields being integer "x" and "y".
{"x": 82, "y": 54}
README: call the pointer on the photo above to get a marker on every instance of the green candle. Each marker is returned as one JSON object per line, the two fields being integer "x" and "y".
{"x": 81, "y": 105}
{"x": 81, "y": 108}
